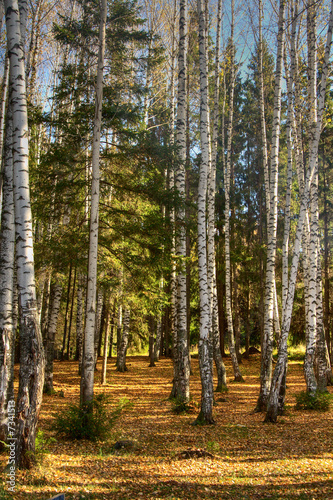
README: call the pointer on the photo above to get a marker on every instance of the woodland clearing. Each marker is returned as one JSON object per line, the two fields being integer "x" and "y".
{"x": 240, "y": 457}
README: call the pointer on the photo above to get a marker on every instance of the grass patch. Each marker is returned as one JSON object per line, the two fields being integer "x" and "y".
{"x": 318, "y": 402}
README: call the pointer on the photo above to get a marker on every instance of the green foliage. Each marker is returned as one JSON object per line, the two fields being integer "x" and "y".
{"x": 317, "y": 402}
{"x": 41, "y": 448}
{"x": 92, "y": 421}
{"x": 213, "y": 446}
{"x": 181, "y": 407}
{"x": 4, "y": 493}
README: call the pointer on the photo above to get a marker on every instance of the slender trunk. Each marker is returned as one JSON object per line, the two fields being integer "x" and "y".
{"x": 79, "y": 320}
{"x": 3, "y": 107}
{"x": 157, "y": 347}
{"x": 182, "y": 357}
{"x": 280, "y": 368}
{"x": 71, "y": 317}
{"x": 98, "y": 323}
{"x": 220, "y": 368}
{"x": 44, "y": 316}
{"x": 113, "y": 326}
{"x": 88, "y": 365}
{"x": 31, "y": 374}
{"x": 151, "y": 328}
{"x": 267, "y": 344}
{"x": 326, "y": 260}
{"x": 50, "y": 337}
{"x": 66, "y": 313}
{"x": 237, "y": 373}
{"x": 121, "y": 355}
{"x": 309, "y": 373}
{"x": 7, "y": 252}
{"x": 106, "y": 343}
{"x": 206, "y": 368}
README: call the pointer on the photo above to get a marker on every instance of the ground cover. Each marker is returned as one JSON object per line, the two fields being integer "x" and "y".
{"x": 240, "y": 457}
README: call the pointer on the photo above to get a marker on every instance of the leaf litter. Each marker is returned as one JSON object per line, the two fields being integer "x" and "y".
{"x": 239, "y": 457}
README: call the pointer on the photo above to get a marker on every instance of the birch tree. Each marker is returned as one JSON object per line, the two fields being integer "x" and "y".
{"x": 121, "y": 353}
{"x": 31, "y": 375}
{"x": 220, "y": 368}
{"x": 206, "y": 368}
{"x": 227, "y": 177}
{"x": 88, "y": 365}
{"x": 267, "y": 344}
{"x": 182, "y": 357}
{"x": 7, "y": 252}
{"x": 50, "y": 336}
{"x": 274, "y": 404}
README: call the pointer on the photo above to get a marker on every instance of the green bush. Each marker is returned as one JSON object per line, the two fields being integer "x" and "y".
{"x": 319, "y": 402}
{"x": 92, "y": 421}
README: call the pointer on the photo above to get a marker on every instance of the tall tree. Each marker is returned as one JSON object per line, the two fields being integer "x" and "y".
{"x": 267, "y": 344}
{"x": 32, "y": 361}
{"x": 205, "y": 358}
{"x": 227, "y": 180}
{"x": 273, "y": 403}
{"x": 182, "y": 359}
{"x": 88, "y": 362}
{"x": 221, "y": 371}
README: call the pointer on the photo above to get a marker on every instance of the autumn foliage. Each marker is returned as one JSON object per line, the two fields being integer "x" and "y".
{"x": 165, "y": 457}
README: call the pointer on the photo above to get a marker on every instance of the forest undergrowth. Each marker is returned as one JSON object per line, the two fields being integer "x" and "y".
{"x": 168, "y": 458}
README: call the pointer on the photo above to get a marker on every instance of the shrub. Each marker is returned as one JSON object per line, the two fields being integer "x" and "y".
{"x": 320, "y": 401}
{"x": 92, "y": 421}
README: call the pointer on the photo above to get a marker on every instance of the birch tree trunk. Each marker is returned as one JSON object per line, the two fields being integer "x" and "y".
{"x": 267, "y": 344}
{"x": 182, "y": 358}
{"x": 220, "y": 368}
{"x": 265, "y": 152}
{"x": 79, "y": 320}
{"x": 7, "y": 252}
{"x": 3, "y": 106}
{"x": 50, "y": 337}
{"x": 88, "y": 365}
{"x": 106, "y": 343}
{"x": 206, "y": 368}
{"x": 311, "y": 311}
{"x": 322, "y": 362}
{"x": 227, "y": 172}
{"x": 273, "y": 403}
{"x": 121, "y": 355}
{"x": 98, "y": 323}
{"x": 32, "y": 361}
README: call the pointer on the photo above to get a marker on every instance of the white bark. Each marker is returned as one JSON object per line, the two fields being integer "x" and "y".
{"x": 182, "y": 358}
{"x": 50, "y": 337}
{"x": 206, "y": 369}
{"x": 7, "y": 251}
{"x": 311, "y": 311}
{"x": 173, "y": 277}
{"x": 3, "y": 105}
{"x": 273, "y": 403}
{"x": 270, "y": 295}
{"x": 87, "y": 378}
{"x": 79, "y": 320}
{"x": 227, "y": 176}
{"x": 106, "y": 342}
{"x": 98, "y": 322}
{"x": 121, "y": 354}
{"x": 31, "y": 375}
{"x": 220, "y": 368}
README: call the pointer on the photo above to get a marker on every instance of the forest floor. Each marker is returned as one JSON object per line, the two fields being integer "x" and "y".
{"x": 245, "y": 459}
